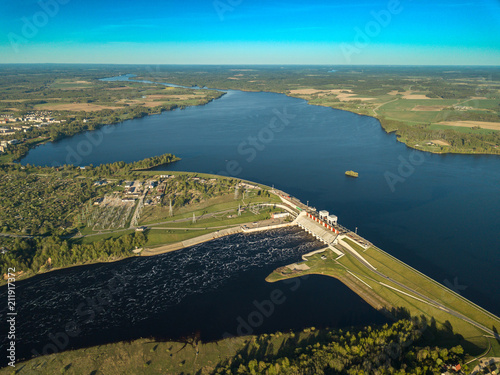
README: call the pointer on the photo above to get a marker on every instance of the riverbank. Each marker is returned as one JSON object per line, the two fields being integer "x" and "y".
{"x": 100, "y": 104}
{"x": 264, "y": 225}
{"x": 424, "y": 145}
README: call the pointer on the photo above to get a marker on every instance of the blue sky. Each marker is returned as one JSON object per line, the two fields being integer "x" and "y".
{"x": 251, "y": 32}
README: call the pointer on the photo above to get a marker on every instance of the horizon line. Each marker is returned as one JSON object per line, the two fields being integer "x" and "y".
{"x": 252, "y": 64}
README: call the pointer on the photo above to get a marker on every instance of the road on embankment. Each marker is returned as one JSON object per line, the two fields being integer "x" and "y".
{"x": 422, "y": 296}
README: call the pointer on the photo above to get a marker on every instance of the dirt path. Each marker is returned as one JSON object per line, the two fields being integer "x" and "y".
{"x": 381, "y": 104}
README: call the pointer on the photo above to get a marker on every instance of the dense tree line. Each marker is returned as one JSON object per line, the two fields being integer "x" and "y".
{"x": 391, "y": 349}
{"x": 121, "y": 168}
{"x": 461, "y": 142}
{"x": 41, "y": 254}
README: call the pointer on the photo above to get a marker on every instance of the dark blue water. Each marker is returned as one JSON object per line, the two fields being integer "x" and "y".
{"x": 439, "y": 213}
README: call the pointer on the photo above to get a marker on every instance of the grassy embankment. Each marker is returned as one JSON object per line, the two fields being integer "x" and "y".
{"x": 367, "y": 284}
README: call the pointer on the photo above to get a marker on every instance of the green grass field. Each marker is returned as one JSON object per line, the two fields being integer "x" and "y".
{"x": 156, "y": 214}
{"x": 165, "y": 237}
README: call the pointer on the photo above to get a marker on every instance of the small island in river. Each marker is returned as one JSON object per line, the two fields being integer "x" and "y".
{"x": 351, "y": 174}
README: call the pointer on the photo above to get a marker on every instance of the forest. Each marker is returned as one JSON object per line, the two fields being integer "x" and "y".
{"x": 400, "y": 348}
{"x": 35, "y": 255}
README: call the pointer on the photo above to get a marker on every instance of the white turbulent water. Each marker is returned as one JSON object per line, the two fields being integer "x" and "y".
{"x": 123, "y": 294}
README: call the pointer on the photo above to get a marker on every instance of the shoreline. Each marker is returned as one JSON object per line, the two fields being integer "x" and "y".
{"x": 398, "y": 139}
{"x": 161, "y": 249}
{"x": 100, "y": 126}
{"x": 375, "y": 301}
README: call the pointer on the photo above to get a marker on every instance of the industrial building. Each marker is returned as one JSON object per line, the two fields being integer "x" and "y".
{"x": 323, "y": 214}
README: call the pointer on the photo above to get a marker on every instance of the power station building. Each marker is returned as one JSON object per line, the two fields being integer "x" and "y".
{"x": 323, "y": 214}
{"x": 327, "y": 218}
{"x": 332, "y": 219}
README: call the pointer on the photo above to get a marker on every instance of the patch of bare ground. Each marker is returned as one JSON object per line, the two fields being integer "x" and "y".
{"x": 344, "y": 95}
{"x": 431, "y": 108}
{"x": 415, "y": 96}
{"x": 440, "y": 142}
{"x": 473, "y": 124}
{"x": 349, "y": 97}
{"x": 178, "y": 97}
{"x": 87, "y": 107}
{"x": 119, "y": 88}
{"x": 315, "y": 91}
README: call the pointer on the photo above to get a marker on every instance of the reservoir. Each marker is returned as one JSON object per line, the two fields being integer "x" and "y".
{"x": 437, "y": 213}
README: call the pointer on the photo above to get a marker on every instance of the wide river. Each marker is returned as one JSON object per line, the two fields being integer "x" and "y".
{"x": 438, "y": 213}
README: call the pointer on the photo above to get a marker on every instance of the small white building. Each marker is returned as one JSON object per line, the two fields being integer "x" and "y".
{"x": 332, "y": 219}
{"x": 323, "y": 214}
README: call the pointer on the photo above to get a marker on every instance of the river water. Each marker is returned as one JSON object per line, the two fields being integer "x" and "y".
{"x": 210, "y": 291}
{"x": 438, "y": 213}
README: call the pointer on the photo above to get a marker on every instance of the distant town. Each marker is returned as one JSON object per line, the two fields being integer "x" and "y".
{"x": 13, "y": 125}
